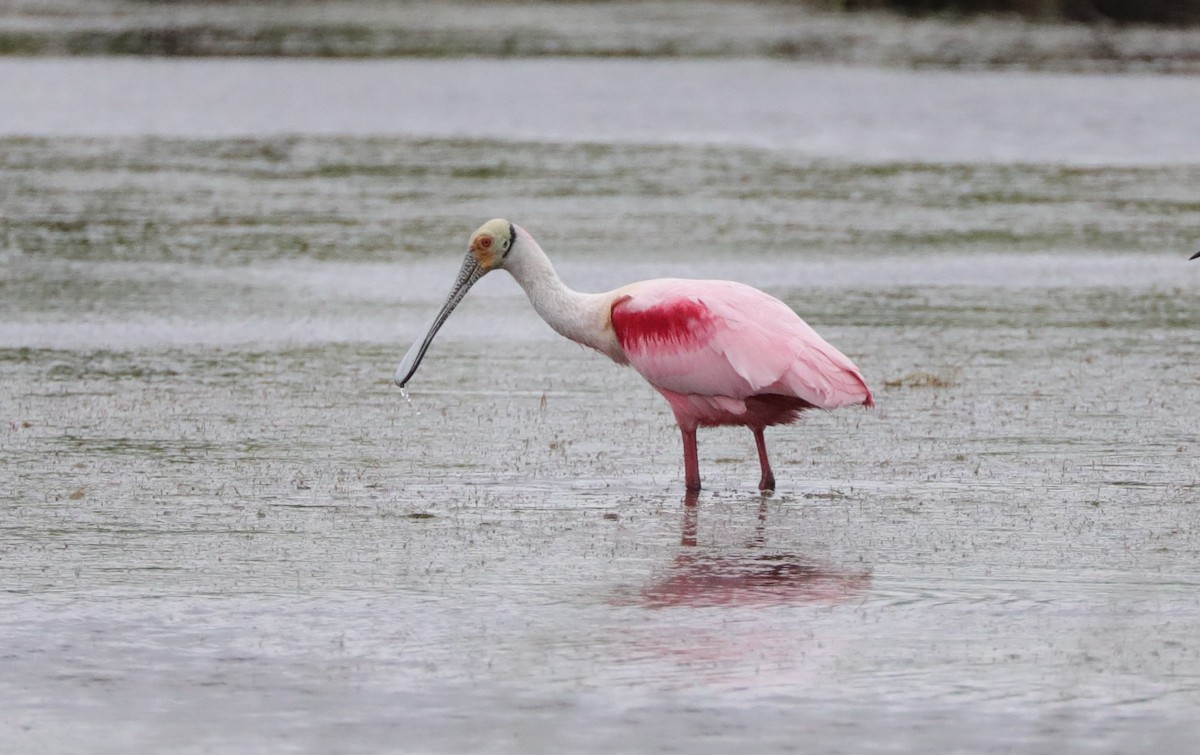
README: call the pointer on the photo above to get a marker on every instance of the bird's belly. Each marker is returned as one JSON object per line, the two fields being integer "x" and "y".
{"x": 760, "y": 410}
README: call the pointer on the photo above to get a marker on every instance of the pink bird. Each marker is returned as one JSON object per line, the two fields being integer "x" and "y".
{"x": 721, "y": 353}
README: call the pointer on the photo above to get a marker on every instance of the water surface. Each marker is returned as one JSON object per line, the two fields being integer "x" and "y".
{"x": 222, "y": 528}
{"x": 836, "y": 112}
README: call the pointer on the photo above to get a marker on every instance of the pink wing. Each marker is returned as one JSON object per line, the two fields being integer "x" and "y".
{"x": 725, "y": 339}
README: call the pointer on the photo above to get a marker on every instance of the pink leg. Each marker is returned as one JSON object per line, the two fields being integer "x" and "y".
{"x": 768, "y": 477}
{"x": 691, "y": 467}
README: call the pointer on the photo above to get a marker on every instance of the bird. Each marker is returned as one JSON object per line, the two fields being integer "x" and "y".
{"x": 1194, "y": 256}
{"x": 719, "y": 352}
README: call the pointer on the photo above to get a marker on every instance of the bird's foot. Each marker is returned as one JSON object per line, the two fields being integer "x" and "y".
{"x": 767, "y": 484}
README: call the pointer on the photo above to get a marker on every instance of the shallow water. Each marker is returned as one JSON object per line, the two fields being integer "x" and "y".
{"x": 865, "y": 114}
{"x": 223, "y": 529}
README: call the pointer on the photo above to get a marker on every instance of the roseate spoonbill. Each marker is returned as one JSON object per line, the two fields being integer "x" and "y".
{"x": 721, "y": 353}
{"x": 1194, "y": 256}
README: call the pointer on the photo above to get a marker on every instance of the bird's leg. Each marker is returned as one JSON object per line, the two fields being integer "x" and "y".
{"x": 690, "y": 519}
{"x": 691, "y": 466}
{"x": 767, "y": 483}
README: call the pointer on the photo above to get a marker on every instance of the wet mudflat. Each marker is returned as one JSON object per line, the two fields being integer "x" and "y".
{"x": 222, "y": 528}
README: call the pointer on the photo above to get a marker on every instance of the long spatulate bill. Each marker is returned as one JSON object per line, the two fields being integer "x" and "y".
{"x": 471, "y": 271}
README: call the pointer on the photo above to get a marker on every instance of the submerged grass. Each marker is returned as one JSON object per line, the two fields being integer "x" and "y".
{"x": 372, "y": 199}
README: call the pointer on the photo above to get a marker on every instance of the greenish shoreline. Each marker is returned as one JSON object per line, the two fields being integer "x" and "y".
{"x": 659, "y": 29}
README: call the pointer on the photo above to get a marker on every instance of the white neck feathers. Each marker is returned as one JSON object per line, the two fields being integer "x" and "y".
{"x": 584, "y": 318}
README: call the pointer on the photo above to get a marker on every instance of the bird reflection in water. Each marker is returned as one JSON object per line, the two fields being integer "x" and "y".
{"x": 746, "y": 576}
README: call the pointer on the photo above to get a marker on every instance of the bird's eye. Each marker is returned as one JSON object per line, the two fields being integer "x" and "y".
{"x": 486, "y": 242}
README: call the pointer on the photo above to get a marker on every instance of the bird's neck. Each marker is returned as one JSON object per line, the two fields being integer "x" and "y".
{"x": 582, "y": 317}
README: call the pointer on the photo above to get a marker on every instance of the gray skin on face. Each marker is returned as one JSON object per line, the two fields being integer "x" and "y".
{"x": 489, "y": 247}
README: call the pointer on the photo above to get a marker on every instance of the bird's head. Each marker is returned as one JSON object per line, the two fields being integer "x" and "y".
{"x": 490, "y": 246}
{"x": 492, "y": 243}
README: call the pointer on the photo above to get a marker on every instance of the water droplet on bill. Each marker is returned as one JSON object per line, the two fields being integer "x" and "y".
{"x": 404, "y": 393}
